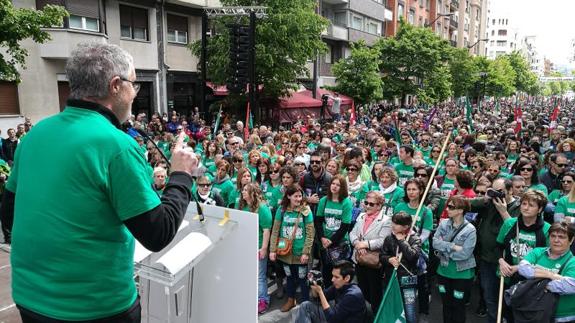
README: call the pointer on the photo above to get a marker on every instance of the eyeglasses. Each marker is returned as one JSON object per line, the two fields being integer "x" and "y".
{"x": 238, "y": 160}
{"x": 275, "y": 171}
{"x": 435, "y": 151}
{"x": 566, "y": 182}
{"x": 561, "y": 165}
{"x": 301, "y": 147}
{"x": 204, "y": 185}
{"x": 480, "y": 192}
{"x": 526, "y": 169}
{"x": 315, "y": 162}
{"x": 451, "y": 207}
{"x": 135, "y": 85}
{"x": 371, "y": 204}
{"x": 420, "y": 175}
{"x": 299, "y": 164}
{"x": 285, "y": 143}
{"x": 351, "y": 169}
{"x": 234, "y": 143}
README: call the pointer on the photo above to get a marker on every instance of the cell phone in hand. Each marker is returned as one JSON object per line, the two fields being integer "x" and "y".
{"x": 495, "y": 193}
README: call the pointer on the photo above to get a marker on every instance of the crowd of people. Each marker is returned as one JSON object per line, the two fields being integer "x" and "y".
{"x": 345, "y": 200}
{"x": 443, "y": 200}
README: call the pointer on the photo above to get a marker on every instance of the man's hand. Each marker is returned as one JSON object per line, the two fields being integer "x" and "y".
{"x": 263, "y": 253}
{"x": 361, "y": 245}
{"x": 400, "y": 235}
{"x": 316, "y": 288}
{"x": 303, "y": 259}
{"x": 183, "y": 160}
{"x": 313, "y": 199}
{"x": 273, "y": 256}
{"x": 500, "y": 205}
{"x": 325, "y": 242}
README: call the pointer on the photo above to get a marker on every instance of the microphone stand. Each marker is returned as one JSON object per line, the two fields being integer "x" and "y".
{"x": 148, "y": 139}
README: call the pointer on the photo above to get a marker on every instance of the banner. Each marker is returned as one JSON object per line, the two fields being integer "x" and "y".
{"x": 391, "y": 307}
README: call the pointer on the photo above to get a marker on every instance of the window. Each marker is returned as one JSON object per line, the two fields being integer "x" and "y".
{"x": 421, "y": 3}
{"x": 501, "y": 43}
{"x": 493, "y": 22}
{"x": 493, "y": 33}
{"x": 411, "y": 17}
{"x": 340, "y": 18}
{"x": 399, "y": 11}
{"x": 9, "y": 98}
{"x": 177, "y": 29}
{"x": 502, "y": 32}
{"x": 357, "y": 22}
{"x": 133, "y": 23}
{"x": 373, "y": 27}
{"x": 85, "y": 23}
{"x": 328, "y": 54}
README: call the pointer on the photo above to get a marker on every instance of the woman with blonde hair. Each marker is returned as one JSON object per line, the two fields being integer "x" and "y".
{"x": 244, "y": 177}
{"x": 252, "y": 200}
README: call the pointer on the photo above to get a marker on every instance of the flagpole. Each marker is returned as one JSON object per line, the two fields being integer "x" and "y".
{"x": 500, "y": 301}
{"x": 430, "y": 182}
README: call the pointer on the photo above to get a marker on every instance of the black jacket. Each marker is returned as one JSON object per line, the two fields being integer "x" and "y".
{"x": 531, "y": 302}
{"x": 411, "y": 249}
{"x": 8, "y": 149}
{"x": 312, "y": 185}
{"x": 349, "y": 304}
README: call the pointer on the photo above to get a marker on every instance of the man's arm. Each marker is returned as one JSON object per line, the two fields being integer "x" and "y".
{"x": 343, "y": 309}
{"x": 156, "y": 228}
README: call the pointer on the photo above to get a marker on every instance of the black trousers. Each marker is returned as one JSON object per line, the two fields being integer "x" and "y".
{"x": 370, "y": 282}
{"x": 131, "y": 315}
{"x": 452, "y": 293}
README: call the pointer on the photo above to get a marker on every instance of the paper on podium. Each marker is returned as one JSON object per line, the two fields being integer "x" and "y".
{"x": 188, "y": 248}
{"x": 140, "y": 252}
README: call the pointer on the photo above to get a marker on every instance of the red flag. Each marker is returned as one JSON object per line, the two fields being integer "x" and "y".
{"x": 353, "y": 117}
{"x": 554, "y": 117}
{"x": 247, "y": 124}
{"x": 518, "y": 119}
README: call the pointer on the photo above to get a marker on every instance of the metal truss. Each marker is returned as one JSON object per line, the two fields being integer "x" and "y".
{"x": 235, "y": 11}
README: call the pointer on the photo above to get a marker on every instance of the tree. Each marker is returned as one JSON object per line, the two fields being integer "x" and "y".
{"x": 286, "y": 40}
{"x": 464, "y": 72}
{"x": 410, "y": 60}
{"x": 19, "y": 24}
{"x": 358, "y": 75}
{"x": 525, "y": 79}
{"x": 500, "y": 76}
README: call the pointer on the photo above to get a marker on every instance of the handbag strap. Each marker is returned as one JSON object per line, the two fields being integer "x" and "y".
{"x": 565, "y": 263}
{"x": 295, "y": 227}
{"x": 461, "y": 227}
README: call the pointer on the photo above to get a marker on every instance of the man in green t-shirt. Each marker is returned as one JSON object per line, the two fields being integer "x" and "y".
{"x": 78, "y": 205}
{"x": 404, "y": 168}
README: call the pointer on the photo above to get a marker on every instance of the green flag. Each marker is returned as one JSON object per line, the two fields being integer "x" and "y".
{"x": 468, "y": 114}
{"x": 497, "y": 108}
{"x": 391, "y": 308}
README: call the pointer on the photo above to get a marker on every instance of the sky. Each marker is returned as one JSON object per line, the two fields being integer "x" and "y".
{"x": 552, "y": 21}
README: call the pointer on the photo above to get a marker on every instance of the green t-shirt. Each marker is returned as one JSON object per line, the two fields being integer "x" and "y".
{"x": 334, "y": 214}
{"x": 539, "y": 257}
{"x": 287, "y": 226}
{"x": 425, "y": 151}
{"x": 565, "y": 207}
{"x": 273, "y": 194}
{"x": 72, "y": 255}
{"x": 445, "y": 189}
{"x": 526, "y": 242}
{"x": 539, "y": 187}
{"x": 392, "y": 199}
{"x": 264, "y": 221}
{"x": 224, "y": 188}
{"x": 210, "y": 164}
{"x": 234, "y": 199}
{"x": 404, "y": 172}
{"x": 555, "y": 195}
{"x": 450, "y": 271}
{"x": 424, "y": 221}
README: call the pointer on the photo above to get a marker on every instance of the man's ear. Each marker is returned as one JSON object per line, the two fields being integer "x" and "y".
{"x": 347, "y": 279}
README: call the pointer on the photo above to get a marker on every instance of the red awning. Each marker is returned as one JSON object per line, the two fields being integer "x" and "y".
{"x": 219, "y": 90}
{"x": 345, "y": 100}
{"x": 299, "y": 100}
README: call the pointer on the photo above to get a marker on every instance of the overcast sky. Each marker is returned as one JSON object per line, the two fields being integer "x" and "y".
{"x": 552, "y": 21}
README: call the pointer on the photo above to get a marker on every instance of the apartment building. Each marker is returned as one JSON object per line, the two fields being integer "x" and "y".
{"x": 503, "y": 35}
{"x": 156, "y": 33}
{"x": 528, "y": 49}
{"x": 350, "y": 21}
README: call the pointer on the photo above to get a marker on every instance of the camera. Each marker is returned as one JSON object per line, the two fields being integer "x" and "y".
{"x": 495, "y": 193}
{"x": 315, "y": 276}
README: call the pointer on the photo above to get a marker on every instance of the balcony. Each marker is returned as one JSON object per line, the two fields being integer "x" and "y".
{"x": 336, "y": 2}
{"x": 65, "y": 40}
{"x": 453, "y": 24}
{"x": 336, "y": 33}
{"x": 356, "y": 35}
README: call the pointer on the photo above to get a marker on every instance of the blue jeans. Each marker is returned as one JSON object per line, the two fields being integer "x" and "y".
{"x": 490, "y": 286}
{"x": 262, "y": 280}
{"x": 296, "y": 274}
{"x": 309, "y": 312}
{"x": 408, "y": 286}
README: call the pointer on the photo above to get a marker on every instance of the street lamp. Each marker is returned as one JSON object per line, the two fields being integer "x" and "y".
{"x": 439, "y": 16}
{"x": 477, "y": 42}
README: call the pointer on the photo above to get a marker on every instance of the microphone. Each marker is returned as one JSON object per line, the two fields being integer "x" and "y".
{"x": 141, "y": 132}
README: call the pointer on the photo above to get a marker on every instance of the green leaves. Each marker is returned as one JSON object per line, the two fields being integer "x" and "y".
{"x": 358, "y": 75}
{"x": 19, "y": 24}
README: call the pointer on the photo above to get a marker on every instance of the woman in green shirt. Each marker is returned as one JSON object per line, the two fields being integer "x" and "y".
{"x": 454, "y": 242}
{"x": 293, "y": 212}
{"x": 252, "y": 200}
{"x": 567, "y": 180}
{"x": 272, "y": 187}
{"x": 528, "y": 170}
{"x": 393, "y": 193}
{"x": 565, "y": 209}
{"x": 222, "y": 183}
{"x": 244, "y": 177}
{"x": 333, "y": 221}
{"x": 209, "y": 158}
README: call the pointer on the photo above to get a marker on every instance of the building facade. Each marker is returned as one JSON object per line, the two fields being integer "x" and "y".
{"x": 503, "y": 35}
{"x": 155, "y": 33}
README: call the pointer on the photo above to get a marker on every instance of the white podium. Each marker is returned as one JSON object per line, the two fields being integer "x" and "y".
{"x": 208, "y": 273}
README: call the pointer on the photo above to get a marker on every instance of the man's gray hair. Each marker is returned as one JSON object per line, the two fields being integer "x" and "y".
{"x": 91, "y": 67}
